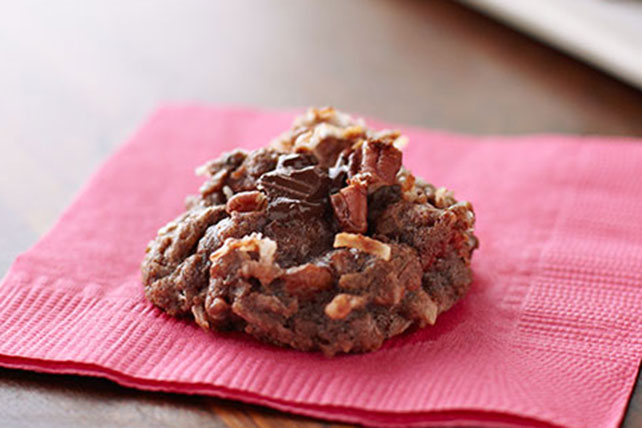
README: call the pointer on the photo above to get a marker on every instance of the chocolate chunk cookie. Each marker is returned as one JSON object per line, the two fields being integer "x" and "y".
{"x": 321, "y": 241}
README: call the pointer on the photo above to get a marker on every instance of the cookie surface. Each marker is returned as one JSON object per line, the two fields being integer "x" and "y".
{"x": 322, "y": 241}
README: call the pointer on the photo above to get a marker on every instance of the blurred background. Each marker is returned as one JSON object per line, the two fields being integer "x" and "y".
{"x": 78, "y": 77}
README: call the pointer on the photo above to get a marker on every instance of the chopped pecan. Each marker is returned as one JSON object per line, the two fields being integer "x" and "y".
{"x": 363, "y": 243}
{"x": 381, "y": 160}
{"x": 246, "y": 201}
{"x": 350, "y": 207}
{"x": 342, "y": 304}
{"x": 377, "y": 163}
{"x": 307, "y": 280}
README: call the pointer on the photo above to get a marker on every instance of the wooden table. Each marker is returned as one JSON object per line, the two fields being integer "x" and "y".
{"x": 76, "y": 79}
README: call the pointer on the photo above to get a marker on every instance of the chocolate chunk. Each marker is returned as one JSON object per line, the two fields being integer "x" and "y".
{"x": 285, "y": 208}
{"x": 296, "y": 192}
{"x": 306, "y": 184}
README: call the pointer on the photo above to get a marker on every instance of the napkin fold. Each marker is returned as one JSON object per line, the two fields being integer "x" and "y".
{"x": 550, "y": 333}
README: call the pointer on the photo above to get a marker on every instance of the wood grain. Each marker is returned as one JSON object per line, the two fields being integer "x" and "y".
{"x": 77, "y": 78}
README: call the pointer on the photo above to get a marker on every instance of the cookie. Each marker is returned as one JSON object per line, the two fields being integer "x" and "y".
{"x": 320, "y": 241}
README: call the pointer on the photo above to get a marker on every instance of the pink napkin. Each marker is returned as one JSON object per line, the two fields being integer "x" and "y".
{"x": 550, "y": 333}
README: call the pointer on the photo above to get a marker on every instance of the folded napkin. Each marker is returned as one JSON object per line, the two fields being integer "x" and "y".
{"x": 550, "y": 333}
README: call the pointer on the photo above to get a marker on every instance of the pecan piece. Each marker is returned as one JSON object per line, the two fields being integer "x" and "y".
{"x": 377, "y": 163}
{"x": 350, "y": 207}
{"x": 307, "y": 280}
{"x": 246, "y": 201}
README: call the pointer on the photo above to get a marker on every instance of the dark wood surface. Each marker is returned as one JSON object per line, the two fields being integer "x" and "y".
{"x": 77, "y": 78}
